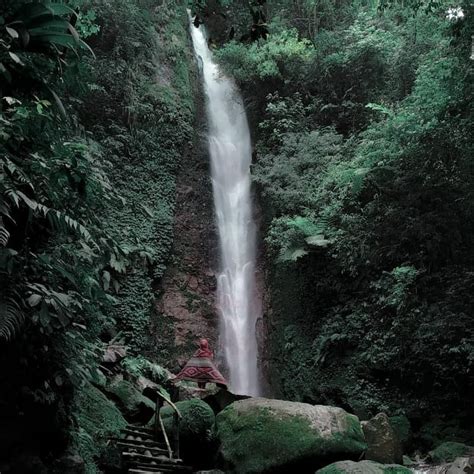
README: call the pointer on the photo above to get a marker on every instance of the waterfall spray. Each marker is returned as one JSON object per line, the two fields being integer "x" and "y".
{"x": 230, "y": 153}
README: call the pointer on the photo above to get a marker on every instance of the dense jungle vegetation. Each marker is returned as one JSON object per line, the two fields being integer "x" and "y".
{"x": 362, "y": 120}
{"x": 91, "y": 136}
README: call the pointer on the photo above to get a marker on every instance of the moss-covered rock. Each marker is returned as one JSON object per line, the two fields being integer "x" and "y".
{"x": 363, "y": 467}
{"x": 197, "y": 440}
{"x": 97, "y": 419}
{"x": 401, "y": 426}
{"x": 383, "y": 444}
{"x": 448, "y": 452}
{"x": 135, "y": 407}
{"x": 197, "y": 418}
{"x": 262, "y": 435}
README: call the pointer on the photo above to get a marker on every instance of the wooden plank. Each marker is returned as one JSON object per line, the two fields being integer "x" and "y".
{"x": 180, "y": 468}
{"x": 159, "y": 459}
{"x": 131, "y": 447}
{"x": 142, "y": 471}
{"x": 137, "y": 433}
{"x": 152, "y": 444}
{"x": 146, "y": 470}
{"x": 140, "y": 428}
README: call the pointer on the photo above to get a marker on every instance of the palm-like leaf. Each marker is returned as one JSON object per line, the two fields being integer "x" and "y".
{"x": 11, "y": 318}
{"x": 4, "y": 234}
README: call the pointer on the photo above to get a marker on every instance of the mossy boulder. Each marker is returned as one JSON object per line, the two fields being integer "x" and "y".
{"x": 402, "y": 427}
{"x": 98, "y": 419}
{"x": 383, "y": 444}
{"x": 263, "y": 435}
{"x": 363, "y": 467}
{"x": 196, "y": 429}
{"x": 448, "y": 452}
{"x": 135, "y": 407}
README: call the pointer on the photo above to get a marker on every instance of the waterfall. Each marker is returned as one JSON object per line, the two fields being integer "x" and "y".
{"x": 230, "y": 154}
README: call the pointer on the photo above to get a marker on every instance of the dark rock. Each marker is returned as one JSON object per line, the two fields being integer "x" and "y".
{"x": 221, "y": 399}
{"x": 383, "y": 444}
{"x": 70, "y": 464}
{"x": 135, "y": 407}
{"x": 148, "y": 388}
{"x": 28, "y": 464}
{"x": 196, "y": 429}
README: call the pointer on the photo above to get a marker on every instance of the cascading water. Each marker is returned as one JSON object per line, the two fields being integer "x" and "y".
{"x": 230, "y": 152}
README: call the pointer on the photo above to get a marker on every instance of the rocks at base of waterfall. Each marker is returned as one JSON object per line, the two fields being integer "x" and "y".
{"x": 263, "y": 435}
{"x": 135, "y": 407}
{"x": 461, "y": 465}
{"x": 196, "y": 431}
{"x": 449, "y": 451}
{"x": 363, "y": 467}
{"x": 383, "y": 445}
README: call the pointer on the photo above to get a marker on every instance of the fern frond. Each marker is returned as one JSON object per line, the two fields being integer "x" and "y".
{"x": 15, "y": 171}
{"x": 4, "y": 234}
{"x": 11, "y": 318}
{"x": 57, "y": 218}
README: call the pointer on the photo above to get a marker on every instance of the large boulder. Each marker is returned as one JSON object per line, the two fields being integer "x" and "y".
{"x": 98, "y": 419}
{"x": 363, "y": 467}
{"x": 196, "y": 431}
{"x": 449, "y": 451}
{"x": 383, "y": 445}
{"x": 135, "y": 407}
{"x": 263, "y": 435}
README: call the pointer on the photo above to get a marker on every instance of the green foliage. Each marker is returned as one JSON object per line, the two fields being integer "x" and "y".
{"x": 266, "y": 61}
{"x": 139, "y": 366}
{"x": 142, "y": 94}
{"x": 89, "y": 152}
{"x": 98, "y": 420}
{"x": 363, "y": 164}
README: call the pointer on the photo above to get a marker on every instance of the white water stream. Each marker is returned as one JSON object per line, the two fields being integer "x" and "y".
{"x": 230, "y": 153}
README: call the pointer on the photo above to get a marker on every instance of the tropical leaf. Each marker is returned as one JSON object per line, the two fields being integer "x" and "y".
{"x": 57, "y": 219}
{"x": 11, "y": 318}
{"x": 4, "y": 234}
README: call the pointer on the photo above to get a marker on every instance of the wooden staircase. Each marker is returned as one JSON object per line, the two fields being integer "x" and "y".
{"x": 149, "y": 451}
{"x": 142, "y": 454}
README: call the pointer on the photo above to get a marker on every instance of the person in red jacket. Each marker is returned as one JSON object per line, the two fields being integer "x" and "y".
{"x": 201, "y": 369}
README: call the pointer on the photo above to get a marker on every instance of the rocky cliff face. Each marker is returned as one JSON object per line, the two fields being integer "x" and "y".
{"x": 186, "y": 306}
